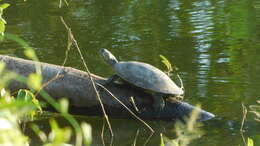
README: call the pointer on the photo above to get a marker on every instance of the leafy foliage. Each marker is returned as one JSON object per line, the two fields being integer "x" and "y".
{"x": 10, "y": 132}
{"x": 27, "y": 105}
{"x": 12, "y": 111}
{"x": 57, "y": 136}
{"x": 2, "y": 20}
{"x": 250, "y": 142}
{"x": 167, "y": 63}
{"x": 34, "y": 81}
{"x": 28, "y": 96}
{"x": 170, "y": 69}
{"x": 86, "y": 128}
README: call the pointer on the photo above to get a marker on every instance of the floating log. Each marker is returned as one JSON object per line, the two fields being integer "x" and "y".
{"x": 75, "y": 85}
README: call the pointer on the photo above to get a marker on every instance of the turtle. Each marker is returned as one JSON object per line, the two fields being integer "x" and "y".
{"x": 144, "y": 76}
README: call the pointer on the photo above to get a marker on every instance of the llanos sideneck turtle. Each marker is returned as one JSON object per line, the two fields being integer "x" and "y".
{"x": 144, "y": 76}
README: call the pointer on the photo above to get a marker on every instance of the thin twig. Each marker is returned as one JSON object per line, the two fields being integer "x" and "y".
{"x": 244, "y": 110}
{"x": 68, "y": 47}
{"x": 182, "y": 87}
{"x": 180, "y": 97}
{"x": 60, "y": 3}
{"x": 148, "y": 139}
{"x": 134, "y": 105}
{"x": 257, "y": 115}
{"x": 111, "y": 141}
{"x": 65, "y": 1}
{"x": 48, "y": 82}
{"x": 255, "y": 109}
{"x": 64, "y": 62}
{"x": 136, "y": 136}
{"x": 102, "y": 133}
{"x": 88, "y": 72}
{"x": 111, "y": 94}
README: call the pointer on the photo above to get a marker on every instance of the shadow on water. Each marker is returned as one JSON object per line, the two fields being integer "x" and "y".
{"x": 218, "y": 131}
{"x": 215, "y": 45}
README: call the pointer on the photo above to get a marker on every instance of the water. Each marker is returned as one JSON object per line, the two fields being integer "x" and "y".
{"x": 215, "y": 45}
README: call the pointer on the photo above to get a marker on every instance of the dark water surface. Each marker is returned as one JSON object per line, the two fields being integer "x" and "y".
{"x": 215, "y": 44}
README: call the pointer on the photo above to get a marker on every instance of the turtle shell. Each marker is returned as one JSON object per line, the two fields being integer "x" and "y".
{"x": 146, "y": 76}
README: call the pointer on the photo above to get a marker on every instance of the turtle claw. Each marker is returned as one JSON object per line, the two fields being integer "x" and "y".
{"x": 110, "y": 80}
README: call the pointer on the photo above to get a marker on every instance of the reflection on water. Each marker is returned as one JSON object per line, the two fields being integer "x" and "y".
{"x": 201, "y": 20}
{"x": 215, "y": 45}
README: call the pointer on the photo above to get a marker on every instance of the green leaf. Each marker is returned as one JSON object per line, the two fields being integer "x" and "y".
{"x": 27, "y": 95}
{"x": 37, "y": 103}
{"x": 2, "y": 26}
{"x": 64, "y": 105}
{"x": 174, "y": 143}
{"x": 17, "y": 39}
{"x": 4, "y": 6}
{"x": 2, "y": 20}
{"x": 34, "y": 81}
{"x": 166, "y": 62}
{"x": 24, "y": 95}
{"x": 58, "y": 136}
{"x": 3, "y": 92}
{"x": 39, "y": 132}
{"x": 162, "y": 141}
{"x": 30, "y": 53}
{"x": 86, "y": 128}
{"x": 250, "y": 142}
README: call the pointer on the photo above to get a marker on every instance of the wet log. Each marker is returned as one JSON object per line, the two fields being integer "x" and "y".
{"x": 75, "y": 85}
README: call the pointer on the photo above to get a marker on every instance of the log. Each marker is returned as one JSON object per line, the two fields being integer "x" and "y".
{"x": 75, "y": 85}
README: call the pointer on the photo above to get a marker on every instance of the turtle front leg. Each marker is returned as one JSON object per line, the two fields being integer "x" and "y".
{"x": 158, "y": 102}
{"x": 111, "y": 79}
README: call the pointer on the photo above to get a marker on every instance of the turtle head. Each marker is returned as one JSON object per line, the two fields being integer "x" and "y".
{"x": 108, "y": 57}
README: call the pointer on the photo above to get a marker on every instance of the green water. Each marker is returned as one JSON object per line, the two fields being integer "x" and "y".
{"x": 215, "y": 45}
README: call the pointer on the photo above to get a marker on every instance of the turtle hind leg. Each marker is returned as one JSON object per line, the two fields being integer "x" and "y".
{"x": 158, "y": 102}
{"x": 111, "y": 79}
